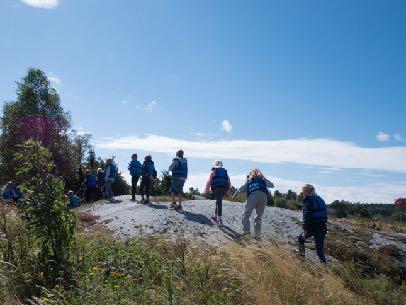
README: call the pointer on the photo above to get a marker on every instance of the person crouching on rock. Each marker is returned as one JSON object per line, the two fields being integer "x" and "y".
{"x": 220, "y": 185}
{"x": 179, "y": 171}
{"x": 11, "y": 193}
{"x": 74, "y": 200}
{"x": 314, "y": 221}
{"x": 148, "y": 174}
{"x": 257, "y": 196}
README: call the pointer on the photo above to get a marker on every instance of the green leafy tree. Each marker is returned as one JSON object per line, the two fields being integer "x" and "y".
{"x": 37, "y": 114}
{"x": 45, "y": 209}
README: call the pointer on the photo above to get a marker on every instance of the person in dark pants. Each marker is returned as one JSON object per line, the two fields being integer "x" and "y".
{"x": 90, "y": 183}
{"x": 219, "y": 183}
{"x": 148, "y": 174}
{"x": 101, "y": 183}
{"x": 135, "y": 171}
{"x": 314, "y": 221}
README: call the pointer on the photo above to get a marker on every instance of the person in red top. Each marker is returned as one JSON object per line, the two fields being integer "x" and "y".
{"x": 220, "y": 185}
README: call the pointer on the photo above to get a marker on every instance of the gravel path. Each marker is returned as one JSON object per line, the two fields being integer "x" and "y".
{"x": 130, "y": 219}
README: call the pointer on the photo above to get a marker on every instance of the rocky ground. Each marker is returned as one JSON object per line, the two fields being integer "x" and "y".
{"x": 129, "y": 219}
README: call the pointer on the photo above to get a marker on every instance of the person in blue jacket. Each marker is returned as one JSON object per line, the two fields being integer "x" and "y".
{"x": 110, "y": 177}
{"x": 74, "y": 200}
{"x": 220, "y": 185}
{"x": 11, "y": 193}
{"x": 314, "y": 221}
{"x": 101, "y": 183}
{"x": 135, "y": 171}
{"x": 90, "y": 183}
{"x": 148, "y": 174}
{"x": 179, "y": 169}
{"x": 257, "y": 191}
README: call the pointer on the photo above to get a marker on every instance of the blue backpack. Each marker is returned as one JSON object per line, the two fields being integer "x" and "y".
{"x": 220, "y": 178}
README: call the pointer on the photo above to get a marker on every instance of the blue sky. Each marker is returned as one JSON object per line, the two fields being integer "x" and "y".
{"x": 313, "y": 91}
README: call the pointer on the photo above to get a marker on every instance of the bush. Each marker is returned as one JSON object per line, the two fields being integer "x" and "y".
{"x": 45, "y": 210}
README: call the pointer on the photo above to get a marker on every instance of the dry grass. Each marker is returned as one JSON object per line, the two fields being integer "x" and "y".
{"x": 273, "y": 275}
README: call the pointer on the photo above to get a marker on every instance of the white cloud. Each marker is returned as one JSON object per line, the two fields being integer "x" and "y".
{"x": 382, "y": 137}
{"x": 124, "y": 102}
{"x": 54, "y": 80}
{"x": 397, "y": 137}
{"x": 374, "y": 193}
{"x": 150, "y": 106}
{"x": 46, "y": 4}
{"x": 319, "y": 152}
{"x": 226, "y": 126}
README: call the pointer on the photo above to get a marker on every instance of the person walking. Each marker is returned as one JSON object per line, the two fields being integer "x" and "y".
{"x": 90, "y": 183}
{"x": 219, "y": 183}
{"x": 314, "y": 221}
{"x": 257, "y": 191}
{"x": 110, "y": 177}
{"x": 148, "y": 174}
{"x": 179, "y": 169}
{"x": 135, "y": 171}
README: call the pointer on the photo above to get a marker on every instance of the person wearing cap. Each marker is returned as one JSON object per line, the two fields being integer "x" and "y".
{"x": 220, "y": 185}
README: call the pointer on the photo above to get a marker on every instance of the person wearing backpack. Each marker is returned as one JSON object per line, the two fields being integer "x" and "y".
{"x": 90, "y": 183}
{"x": 256, "y": 188}
{"x": 135, "y": 171}
{"x": 148, "y": 174}
{"x": 314, "y": 221}
{"x": 101, "y": 183}
{"x": 110, "y": 177}
{"x": 11, "y": 193}
{"x": 179, "y": 169}
{"x": 220, "y": 185}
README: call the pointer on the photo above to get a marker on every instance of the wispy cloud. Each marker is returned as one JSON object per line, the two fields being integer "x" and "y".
{"x": 45, "y": 4}
{"x": 374, "y": 193}
{"x": 54, "y": 80}
{"x": 150, "y": 106}
{"x": 382, "y": 137}
{"x": 397, "y": 137}
{"x": 226, "y": 126}
{"x": 319, "y": 152}
{"x": 123, "y": 102}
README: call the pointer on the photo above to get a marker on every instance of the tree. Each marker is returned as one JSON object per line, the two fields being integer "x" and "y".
{"x": 37, "y": 114}
{"x": 45, "y": 209}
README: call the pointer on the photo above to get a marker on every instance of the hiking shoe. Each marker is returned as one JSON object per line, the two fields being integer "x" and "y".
{"x": 173, "y": 205}
{"x": 214, "y": 219}
{"x": 219, "y": 221}
{"x": 178, "y": 207}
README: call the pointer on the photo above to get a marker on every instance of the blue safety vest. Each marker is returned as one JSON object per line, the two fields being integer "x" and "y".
{"x": 318, "y": 209}
{"x": 135, "y": 168}
{"x": 113, "y": 171}
{"x": 256, "y": 184}
{"x": 90, "y": 181}
{"x": 148, "y": 168}
{"x": 180, "y": 170}
{"x": 220, "y": 178}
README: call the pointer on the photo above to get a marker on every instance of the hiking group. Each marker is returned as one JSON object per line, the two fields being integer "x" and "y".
{"x": 99, "y": 186}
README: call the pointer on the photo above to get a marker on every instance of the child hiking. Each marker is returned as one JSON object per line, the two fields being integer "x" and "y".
{"x": 135, "y": 171}
{"x": 314, "y": 221}
{"x": 179, "y": 169}
{"x": 148, "y": 174}
{"x": 257, "y": 196}
{"x": 219, "y": 183}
